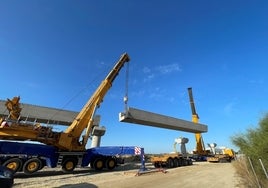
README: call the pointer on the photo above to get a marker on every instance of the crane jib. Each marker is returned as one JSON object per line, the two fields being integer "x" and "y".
{"x": 68, "y": 139}
{"x": 112, "y": 75}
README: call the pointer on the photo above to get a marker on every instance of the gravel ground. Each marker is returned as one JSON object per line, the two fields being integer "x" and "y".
{"x": 200, "y": 174}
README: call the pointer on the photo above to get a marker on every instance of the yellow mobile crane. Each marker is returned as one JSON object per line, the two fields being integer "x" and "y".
{"x": 63, "y": 149}
{"x": 69, "y": 140}
{"x": 200, "y": 152}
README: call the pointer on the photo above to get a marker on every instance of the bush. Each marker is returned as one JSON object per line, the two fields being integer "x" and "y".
{"x": 254, "y": 144}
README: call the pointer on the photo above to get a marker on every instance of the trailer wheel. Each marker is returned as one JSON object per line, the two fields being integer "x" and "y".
{"x": 157, "y": 165}
{"x": 176, "y": 162}
{"x": 190, "y": 162}
{"x": 69, "y": 164}
{"x": 223, "y": 160}
{"x": 170, "y": 163}
{"x": 32, "y": 165}
{"x": 13, "y": 164}
{"x": 98, "y": 164}
{"x": 179, "y": 162}
{"x": 184, "y": 162}
{"x": 110, "y": 163}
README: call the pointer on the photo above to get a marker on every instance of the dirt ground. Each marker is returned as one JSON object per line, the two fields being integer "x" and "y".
{"x": 200, "y": 174}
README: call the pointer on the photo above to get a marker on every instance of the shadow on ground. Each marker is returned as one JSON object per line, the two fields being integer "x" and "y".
{"x": 79, "y": 185}
{"x": 78, "y": 172}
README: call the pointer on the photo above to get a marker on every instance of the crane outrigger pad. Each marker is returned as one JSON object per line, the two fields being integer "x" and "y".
{"x": 142, "y": 117}
{"x": 41, "y": 114}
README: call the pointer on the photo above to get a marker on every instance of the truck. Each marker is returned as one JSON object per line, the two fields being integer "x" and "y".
{"x": 223, "y": 155}
{"x": 51, "y": 148}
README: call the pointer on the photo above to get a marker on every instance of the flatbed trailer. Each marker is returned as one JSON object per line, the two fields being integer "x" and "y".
{"x": 219, "y": 158}
{"x": 30, "y": 157}
{"x": 171, "y": 160}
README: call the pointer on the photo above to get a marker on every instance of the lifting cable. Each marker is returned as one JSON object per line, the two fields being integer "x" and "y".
{"x": 79, "y": 93}
{"x": 126, "y": 87}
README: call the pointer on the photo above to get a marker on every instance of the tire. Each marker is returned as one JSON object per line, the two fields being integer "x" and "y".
{"x": 98, "y": 164}
{"x": 42, "y": 165}
{"x": 223, "y": 160}
{"x": 14, "y": 164}
{"x": 190, "y": 162}
{"x": 69, "y": 164}
{"x": 32, "y": 165}
{"x": 179, "y": 162}
{"x": 184, "y": 162}
{"x": 170, "y": 163}
{"x": 110, "y": 163}
{"x": 176, "y": 162}
{"x": 157, "y": 165}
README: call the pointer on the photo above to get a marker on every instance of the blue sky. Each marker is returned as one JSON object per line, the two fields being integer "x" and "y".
{"x": 51, "y": 51}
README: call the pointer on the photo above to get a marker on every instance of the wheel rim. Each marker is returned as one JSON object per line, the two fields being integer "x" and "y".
{"x": 32, "y": 166}
{"x": 69, "y": 165}
{"x": 12, "y": 165}
{"x": 99, "y": 164}
{"x": 111, "y": 163}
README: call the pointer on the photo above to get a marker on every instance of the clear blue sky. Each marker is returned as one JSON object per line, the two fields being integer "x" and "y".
{"x": 51, "y": 51}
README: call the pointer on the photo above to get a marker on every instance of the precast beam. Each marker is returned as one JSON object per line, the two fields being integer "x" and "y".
{"x": 41, "y": 114}
{"x": 142, "y": 117}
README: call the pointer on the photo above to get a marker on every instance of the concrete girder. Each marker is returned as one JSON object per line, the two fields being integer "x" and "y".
{"x": 41, "y": 114}
{"x": 142, "y": 117}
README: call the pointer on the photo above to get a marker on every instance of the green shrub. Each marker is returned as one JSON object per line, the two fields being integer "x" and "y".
{"x": 254, "y": 144}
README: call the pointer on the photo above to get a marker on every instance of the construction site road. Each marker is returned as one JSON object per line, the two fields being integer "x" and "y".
{"x": 200, "y": 174}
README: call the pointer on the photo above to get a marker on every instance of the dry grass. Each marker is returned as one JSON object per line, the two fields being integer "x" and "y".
{"x": 247, "y": 176}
